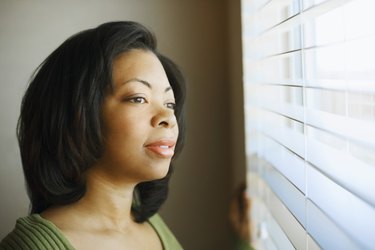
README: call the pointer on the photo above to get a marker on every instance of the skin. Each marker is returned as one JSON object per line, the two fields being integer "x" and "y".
{"x": 239, "y": 213}
{"x": 135, "y": 114}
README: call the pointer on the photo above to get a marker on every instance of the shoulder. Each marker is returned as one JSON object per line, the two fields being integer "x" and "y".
{"x": 167, "y": 238}
{"x": 34, "y": 232}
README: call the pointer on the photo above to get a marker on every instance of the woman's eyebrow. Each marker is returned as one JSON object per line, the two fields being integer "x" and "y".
{"x": 146, "y": 83}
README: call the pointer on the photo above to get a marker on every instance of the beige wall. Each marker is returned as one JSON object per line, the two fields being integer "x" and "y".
{"x": 238, "y": 160}
{"x": 192, "y": 32}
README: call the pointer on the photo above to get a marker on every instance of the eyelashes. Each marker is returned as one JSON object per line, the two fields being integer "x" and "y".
{"x": 137, "y": 99}
{"x": 171, "y": 105}
{"x": 143, "y": 100}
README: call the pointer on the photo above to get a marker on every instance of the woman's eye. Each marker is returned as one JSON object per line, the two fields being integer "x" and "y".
{"x": 138, "y": 99}
{"x": 171, "y": 105}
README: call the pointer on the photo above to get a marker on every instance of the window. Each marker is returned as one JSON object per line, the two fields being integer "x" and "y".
{"x": 309, "y": 83}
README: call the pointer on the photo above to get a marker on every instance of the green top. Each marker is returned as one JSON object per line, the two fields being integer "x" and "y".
{"x": 240, "y": 244}
{"x": 34, "y": 232}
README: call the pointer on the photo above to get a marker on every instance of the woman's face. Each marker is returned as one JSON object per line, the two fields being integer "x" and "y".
{"x": 140, "y": 127}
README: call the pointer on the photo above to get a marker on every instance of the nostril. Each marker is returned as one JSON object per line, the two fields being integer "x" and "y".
{"x": 164, "y": 123}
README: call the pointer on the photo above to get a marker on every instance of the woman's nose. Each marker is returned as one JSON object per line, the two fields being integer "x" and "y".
{"x": 165, "y": 117}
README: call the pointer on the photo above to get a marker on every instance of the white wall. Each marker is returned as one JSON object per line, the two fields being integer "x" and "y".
{"x": 194, "y": 34}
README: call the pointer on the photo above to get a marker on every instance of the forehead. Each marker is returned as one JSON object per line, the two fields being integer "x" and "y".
{"x": 139, "y": 63}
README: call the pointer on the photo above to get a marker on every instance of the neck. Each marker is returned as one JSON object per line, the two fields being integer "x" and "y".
{"x": 108, "y": 201}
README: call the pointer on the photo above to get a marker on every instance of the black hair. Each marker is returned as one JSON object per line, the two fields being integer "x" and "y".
{"x": 60, "y": 128}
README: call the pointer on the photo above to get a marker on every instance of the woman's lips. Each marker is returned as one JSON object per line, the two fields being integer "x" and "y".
{"x": 163, "y": 148}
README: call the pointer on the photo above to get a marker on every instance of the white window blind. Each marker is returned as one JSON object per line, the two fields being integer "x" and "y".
{"x": 309, "y": 82}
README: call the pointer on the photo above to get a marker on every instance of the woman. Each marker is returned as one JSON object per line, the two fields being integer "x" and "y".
{"x": 100, "y": 124}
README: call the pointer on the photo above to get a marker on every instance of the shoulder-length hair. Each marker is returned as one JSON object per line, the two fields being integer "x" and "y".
{"x": 60, "y": 127}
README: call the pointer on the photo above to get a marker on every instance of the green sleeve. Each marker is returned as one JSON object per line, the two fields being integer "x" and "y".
{"x": 240, "y": 244}
{"x": 33, "y": 232}
{"x": 166, "y": 236}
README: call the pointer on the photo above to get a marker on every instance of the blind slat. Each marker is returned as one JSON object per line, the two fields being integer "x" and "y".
{"x": 290, "y": 196}
{"x": 351, "y": 173}
{"x": 287, "y": 137}
{"x": 351, "y": 128}
{"x": 323, "y": 229}
{"x": 270, "y": 232}
{"x": 309, "y": 82}
{"x": 353, "y": 215}
{"x": 291, "y": 229}
{"x": 290, "y": 165}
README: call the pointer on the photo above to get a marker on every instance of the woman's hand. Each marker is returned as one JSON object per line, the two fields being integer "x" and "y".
{"x": 239, "y": 213}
